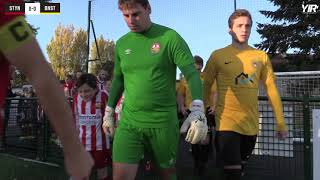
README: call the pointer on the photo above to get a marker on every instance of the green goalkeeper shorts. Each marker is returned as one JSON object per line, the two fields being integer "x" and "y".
{"x": 131, "y": 142}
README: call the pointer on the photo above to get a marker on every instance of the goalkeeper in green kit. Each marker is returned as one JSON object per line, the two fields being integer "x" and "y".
{"x": 146, "y": 59}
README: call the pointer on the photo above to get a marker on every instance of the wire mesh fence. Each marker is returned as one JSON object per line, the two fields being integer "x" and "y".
{"x": 27, "y": 131}
{"x": 28, "y": 134}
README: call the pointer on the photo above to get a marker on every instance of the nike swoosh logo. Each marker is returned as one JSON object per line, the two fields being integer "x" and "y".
{"x": 228, "y": 62}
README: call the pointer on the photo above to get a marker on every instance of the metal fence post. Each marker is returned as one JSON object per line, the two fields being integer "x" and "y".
{"x": 45, "y": 138}
{"x": 307, "y": 137}
{"x": 5, "y": 125}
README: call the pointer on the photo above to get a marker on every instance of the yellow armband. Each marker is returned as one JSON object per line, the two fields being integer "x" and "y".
{"x": 14, "y": 34}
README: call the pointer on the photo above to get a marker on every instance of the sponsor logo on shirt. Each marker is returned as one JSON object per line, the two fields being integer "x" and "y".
{"x": 89, "y": 120}
{"x": 155, "y": 48}
{"x": 244, "y": 79}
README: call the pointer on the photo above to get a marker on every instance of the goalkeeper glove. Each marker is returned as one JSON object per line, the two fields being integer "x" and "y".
{"x": 196, "y": 123}
{"x": 108, "y": 121}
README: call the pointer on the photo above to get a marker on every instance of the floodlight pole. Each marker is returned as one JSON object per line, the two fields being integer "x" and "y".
{"x": 88, "y": 34}
{"x": 95, "y": 39}
{"x": 235, "y": 4}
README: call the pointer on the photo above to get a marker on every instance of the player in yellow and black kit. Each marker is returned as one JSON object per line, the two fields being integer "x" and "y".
{"x": 238, "y": 69}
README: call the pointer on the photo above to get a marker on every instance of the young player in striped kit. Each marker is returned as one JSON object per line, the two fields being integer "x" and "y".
{"x": 88, "y": 108}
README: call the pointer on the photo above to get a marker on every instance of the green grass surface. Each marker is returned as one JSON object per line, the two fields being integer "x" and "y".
{"x": 13, "y": 168}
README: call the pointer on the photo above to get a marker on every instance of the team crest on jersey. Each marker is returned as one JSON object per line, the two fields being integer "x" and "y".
{"x": 98, "y": 105}
{"x": 255, "y": 64}
{"x": 155, "y": 48}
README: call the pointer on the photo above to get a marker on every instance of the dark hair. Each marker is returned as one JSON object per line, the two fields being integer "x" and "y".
{"x": 89, "y": 79}
{"x": 69, "y": 76}
{"x": 125, "y": 4}
{"x": 198, "y": 59}
{"x": 109, "y": 66}
{"x": 238, "y": 13}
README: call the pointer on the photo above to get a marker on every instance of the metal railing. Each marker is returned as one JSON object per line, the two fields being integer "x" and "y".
{"x": 29, "y": 135}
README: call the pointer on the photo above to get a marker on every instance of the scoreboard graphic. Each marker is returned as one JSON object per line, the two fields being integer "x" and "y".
{"x": 32, "y": 8}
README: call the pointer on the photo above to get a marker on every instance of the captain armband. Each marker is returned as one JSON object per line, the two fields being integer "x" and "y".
{"x": 14, "y": 34}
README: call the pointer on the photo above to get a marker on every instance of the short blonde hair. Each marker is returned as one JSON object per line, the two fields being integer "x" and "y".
{"x": 238, "y": 13}
{"x": 125, "y": 4}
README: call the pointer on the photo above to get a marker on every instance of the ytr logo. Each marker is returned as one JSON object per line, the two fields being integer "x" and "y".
{"x": 310, "y": 8}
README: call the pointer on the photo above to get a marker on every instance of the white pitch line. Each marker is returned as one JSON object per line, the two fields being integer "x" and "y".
{"x": 40, "y": 162}
{"x": 32, "y": 160}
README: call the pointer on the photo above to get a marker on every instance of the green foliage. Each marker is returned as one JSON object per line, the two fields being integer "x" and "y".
{"x": 290, "y": 28}
{"x": 292, "y": 32}
{"x": 106, "y": 59}
{"x": 67, "y": 50}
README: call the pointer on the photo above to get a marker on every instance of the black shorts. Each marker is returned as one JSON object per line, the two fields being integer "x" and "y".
{"x": 201, "y": 152}
{"x": 233, "y": 148}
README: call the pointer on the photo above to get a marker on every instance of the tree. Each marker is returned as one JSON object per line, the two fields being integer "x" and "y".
{"x": 78, "y": 51}
{"x": 19, "y": 78}
{"x": 67, "y": 50}
{"x": 290, "y": 29}
{"x": 106, "y": 51}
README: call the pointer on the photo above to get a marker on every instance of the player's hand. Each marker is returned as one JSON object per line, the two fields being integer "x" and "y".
{"x": 196, "y": 123}
{"x": 78, "y": 163}
{"x": 182, "y": 110}
{"x": 282, "y": 134}
{"x": 211, "y": 110}
{"x": 108, "y": 121}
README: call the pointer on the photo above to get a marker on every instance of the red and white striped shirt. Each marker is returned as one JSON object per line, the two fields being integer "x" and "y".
{"x": 88, "y": 116}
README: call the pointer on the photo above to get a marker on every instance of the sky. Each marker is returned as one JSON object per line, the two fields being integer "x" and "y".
{"x": 202, "y": 23}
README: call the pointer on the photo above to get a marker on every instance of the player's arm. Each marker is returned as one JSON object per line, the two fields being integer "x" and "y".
{"x": 213, "y": 98}
{"x": 182, "y": 57}
{"x": 194, "y": 82}
{"x": 268, "y": 80}
{"x": 21, "y": 49}
{"x": 117, "y": 85}
{"x": 75, "y": 113}
{"x": 196, "y": 120}
{"x": 209, "y": 77}
{"x": 116, "y": 90}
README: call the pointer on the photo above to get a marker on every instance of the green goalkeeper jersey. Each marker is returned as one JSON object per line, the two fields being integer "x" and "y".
{"x": 148, "y": 61}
